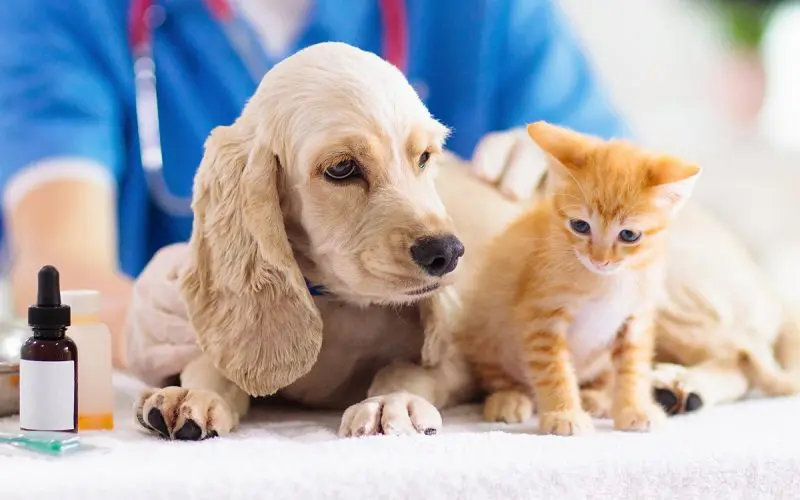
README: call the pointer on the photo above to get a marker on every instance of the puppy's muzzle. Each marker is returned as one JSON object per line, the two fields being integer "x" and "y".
{"x": 439, "y": 255}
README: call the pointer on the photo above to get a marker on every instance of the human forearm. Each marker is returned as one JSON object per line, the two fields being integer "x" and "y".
{"x": 114, "y": 288}
{"x": 70, "y": 223}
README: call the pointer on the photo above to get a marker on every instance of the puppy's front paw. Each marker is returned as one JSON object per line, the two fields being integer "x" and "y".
{"x": 674, "y": 390}
{"x": 644, "y": 417}
{"x": 511, "y": 407}
{"x": 184, "y": 414}
{"x": 566, "y": 423}
{"x": 396, "y": 413}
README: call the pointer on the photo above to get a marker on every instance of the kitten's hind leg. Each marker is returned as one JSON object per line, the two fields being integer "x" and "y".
{"x": 596, "y": 395}
{"x": 511, "y": 406}
{"x": 507, "y": 400}
{"x": 682, "y": 389}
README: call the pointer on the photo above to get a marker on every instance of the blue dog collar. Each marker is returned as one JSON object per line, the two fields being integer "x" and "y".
{"x": 316, "y": 290}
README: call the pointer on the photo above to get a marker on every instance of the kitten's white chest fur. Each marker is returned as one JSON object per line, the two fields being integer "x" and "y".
{"x": 599, "y": 318}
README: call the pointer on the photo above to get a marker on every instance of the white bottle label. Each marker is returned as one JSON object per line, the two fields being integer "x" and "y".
{"x": 47, "y": 395}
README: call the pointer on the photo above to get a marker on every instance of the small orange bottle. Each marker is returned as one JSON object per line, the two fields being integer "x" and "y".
{"x": 95, "y": 389}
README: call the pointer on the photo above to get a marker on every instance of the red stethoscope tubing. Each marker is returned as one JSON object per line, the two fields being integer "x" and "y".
{"x": 141, "y": 24}
{"x": 393, "y": 18}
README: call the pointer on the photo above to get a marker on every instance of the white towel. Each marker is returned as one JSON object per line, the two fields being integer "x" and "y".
{"x": 748, "y": 450}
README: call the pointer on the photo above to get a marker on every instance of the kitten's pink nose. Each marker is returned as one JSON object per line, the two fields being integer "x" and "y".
{"x": 602, "y": 264}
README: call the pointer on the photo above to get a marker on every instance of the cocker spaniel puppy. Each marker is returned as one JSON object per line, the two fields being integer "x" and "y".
{"x": 321, "y": 260}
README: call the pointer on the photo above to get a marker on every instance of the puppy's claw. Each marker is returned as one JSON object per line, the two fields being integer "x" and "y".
{"x": 156, "y": 421}
{"x": 184, "y": 414}
{"x": 398, "y": 413}
{"x": 668, "y": 401}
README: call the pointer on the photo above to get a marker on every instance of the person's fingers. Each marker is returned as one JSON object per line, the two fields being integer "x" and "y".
{"x": 492, "y": 154}
{"x": 524, "y": 170}
{"x": 159, "y": 282}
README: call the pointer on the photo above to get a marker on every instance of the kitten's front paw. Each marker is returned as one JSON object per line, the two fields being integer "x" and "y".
{"x": 511, "y": 407}
{"x": 566, "y": 423}
{"x": 638, "y": 418}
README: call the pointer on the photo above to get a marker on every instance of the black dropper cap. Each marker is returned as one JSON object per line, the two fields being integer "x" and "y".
{"x": 48, "y": 318}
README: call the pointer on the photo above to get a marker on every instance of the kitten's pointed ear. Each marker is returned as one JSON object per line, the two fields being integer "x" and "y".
{"x": 673, "y": 182}
{"x": 568, "y": 147}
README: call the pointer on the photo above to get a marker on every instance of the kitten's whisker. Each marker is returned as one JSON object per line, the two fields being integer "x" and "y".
{"x": 568, "y": 195}
{"x": 583, "y": 192}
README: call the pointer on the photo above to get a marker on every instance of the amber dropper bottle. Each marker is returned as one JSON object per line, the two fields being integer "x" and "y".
{"x": 48, "y": 369}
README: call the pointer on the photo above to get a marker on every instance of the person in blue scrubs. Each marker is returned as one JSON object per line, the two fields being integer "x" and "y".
{"x": 74, "y": 190}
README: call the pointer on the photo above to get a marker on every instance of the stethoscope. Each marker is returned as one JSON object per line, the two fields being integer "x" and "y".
{"x": 145, "y": 16}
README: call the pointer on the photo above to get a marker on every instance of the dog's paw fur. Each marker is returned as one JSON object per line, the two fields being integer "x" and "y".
{"x": 184, "y": 414}
{"x": 673, "y": 389}
{"x": 396, "y": 413}
{"x": 511, "y": 407}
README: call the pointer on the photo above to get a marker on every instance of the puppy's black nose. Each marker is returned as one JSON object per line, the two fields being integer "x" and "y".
{"x": 437, "y": 256}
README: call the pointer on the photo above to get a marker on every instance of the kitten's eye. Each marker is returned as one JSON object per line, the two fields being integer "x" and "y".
{"x": 629, "y": 236}
{"x": 580, "y": 226}
{"x": 343, "y": 170}
{"x": 423, "y": 160}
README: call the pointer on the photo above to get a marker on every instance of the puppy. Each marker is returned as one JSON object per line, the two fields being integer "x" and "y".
{"x": 321, "y": 259}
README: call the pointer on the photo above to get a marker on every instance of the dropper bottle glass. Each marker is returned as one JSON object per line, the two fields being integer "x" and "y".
{"x": 48, "y": 380}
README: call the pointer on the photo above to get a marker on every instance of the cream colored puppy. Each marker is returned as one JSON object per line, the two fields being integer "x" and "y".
{"x": 326, "y": 178}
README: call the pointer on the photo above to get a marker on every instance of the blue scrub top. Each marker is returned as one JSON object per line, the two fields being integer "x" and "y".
{"x": 66, "y": 85}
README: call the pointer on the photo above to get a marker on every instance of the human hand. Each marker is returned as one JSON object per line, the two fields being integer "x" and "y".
{"x": 510, "y": 161}
{"x": 159, "y": 338}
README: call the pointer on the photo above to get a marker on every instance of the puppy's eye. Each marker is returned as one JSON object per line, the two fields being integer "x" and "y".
{"x": 629, "y": 236}
{"x": 343, "y": 170}
{"x": 580, "y": 226}
{"x": 423, "y": 160}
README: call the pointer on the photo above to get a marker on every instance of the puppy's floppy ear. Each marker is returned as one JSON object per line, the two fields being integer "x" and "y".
{"x": 439, "y": 315}
{"x": 246, "y": 297}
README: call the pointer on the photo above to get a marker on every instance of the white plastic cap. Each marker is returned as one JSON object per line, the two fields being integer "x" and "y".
{"x": 82, "y": 302}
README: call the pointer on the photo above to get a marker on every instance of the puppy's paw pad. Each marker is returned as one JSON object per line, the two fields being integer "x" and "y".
{"x": 566, "y": 423}
{"x": 393, "y": 414}
{"x": 642, "y": 419}
{"x": 184, "y": 414}
{"x": 511, "y": 407}
{"x": 189, "y": 431}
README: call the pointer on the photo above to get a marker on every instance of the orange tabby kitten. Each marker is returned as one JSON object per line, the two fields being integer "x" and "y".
{"x": 563, "y": 307}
